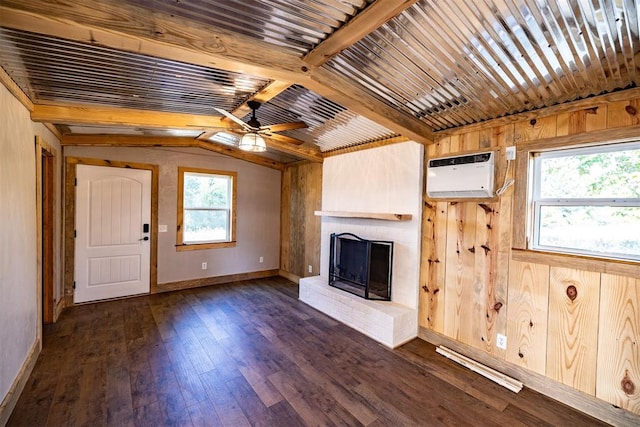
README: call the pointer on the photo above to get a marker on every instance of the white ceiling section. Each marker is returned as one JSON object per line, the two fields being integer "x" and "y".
{"x": 355, "y": 71}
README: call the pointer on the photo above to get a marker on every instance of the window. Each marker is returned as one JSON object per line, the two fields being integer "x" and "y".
{"x": 587, "y": 201}
{"x": 206, "y": 208}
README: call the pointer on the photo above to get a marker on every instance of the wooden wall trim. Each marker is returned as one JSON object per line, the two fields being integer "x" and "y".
{"x": 60, "y": 305}
{"x": 95, "y": 140}
{"x": 289, "y": 276}
{"x": 568, "y": 395}
{"x": 209, "y": 281}
{"x": 519, "y": 228}
{"x": 40, "y": 150}
{"x": 15, "y": 90}
{"x": 566, "y": 107}
{"x": 365, "y": 146}
{"x": 609, "y": 266}
{"x": 11, "y": 399}
{"x": 47, "y": 221}
{"x": 70, "y": 217}
{"x": 54, "y": 130}
{"x": 605, "y": 136}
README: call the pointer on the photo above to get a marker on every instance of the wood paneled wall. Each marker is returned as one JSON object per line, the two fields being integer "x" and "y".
{"x": 574, "y": 320}
{"x": 300, "y": 228}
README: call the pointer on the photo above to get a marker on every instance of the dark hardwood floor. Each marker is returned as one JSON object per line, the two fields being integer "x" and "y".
{"x": 252, "y": 354}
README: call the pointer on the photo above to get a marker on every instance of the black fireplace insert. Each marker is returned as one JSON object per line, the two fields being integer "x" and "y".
{"x": 361, "y": 267}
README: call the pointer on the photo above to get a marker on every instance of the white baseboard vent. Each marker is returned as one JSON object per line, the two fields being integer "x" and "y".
{"x": 495, "y": 376}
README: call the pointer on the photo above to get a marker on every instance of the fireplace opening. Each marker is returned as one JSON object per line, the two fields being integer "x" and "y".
{"x": 361, "y": 267}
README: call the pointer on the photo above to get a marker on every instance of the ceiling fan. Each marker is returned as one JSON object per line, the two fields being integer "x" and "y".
{"x": 253, "y": 133}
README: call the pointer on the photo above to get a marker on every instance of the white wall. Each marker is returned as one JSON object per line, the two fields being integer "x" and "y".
{"x": 387, "y": 179}
{"x": 258, "y": 211}
{"x": 18, "y": 246}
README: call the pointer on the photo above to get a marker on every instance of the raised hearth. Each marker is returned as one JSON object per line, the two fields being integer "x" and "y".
{"x": 386, "y": 322}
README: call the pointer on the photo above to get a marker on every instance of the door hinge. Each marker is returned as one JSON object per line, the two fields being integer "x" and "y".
{"x": 75, "y": 182}
{"x": 74, "y": 284}
{"x": 75, "y": 233}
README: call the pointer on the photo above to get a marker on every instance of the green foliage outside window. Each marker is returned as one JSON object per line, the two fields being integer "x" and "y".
{"x": 207, "y": 207}
{"x": 588, "y": 201}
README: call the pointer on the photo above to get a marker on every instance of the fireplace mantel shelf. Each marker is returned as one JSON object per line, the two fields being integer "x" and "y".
{"x": 366, "y": 215}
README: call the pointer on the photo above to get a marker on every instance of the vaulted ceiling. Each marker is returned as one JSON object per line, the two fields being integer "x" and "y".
{"x": 153, "y": 72}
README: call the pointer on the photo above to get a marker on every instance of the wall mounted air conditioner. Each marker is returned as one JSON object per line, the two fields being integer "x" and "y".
{"x": 465, "y": 176}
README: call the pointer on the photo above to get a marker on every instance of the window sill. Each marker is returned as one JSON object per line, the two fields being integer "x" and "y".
{"x": 198, "y": 246}
{"x": 581, "y": 262}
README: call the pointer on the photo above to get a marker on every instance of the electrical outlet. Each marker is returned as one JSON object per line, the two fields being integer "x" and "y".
{"x": 510, "y": 153}
{"x": 310, "y": 268}
{"x": 261, "y": 260}
{"x": 204, "y": 265}
{"x": 501, "y": 342}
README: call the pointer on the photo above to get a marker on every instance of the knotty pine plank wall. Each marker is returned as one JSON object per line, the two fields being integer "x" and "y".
{"x": 300, "y": 228}
{"x": 574, "y": 321}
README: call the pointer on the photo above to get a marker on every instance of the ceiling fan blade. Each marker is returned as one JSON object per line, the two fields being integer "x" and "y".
{"x": 234, "y": 118}
{"x": 283, "y": 138}
{"x": 284, "y": 126}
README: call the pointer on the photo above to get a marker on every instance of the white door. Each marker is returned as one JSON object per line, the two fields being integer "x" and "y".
{"x": 113, "y": 218}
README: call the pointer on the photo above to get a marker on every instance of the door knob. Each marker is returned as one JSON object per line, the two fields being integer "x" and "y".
{"x": 144, "y": 238}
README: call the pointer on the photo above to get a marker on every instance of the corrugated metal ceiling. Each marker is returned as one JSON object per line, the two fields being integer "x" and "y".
{"x": 459, "y": 62}
{"x": 291, "y": 25}
{"x": 446, "y": 63}
{"x": 329, "y": 124}
{"x": 53, "y": 69}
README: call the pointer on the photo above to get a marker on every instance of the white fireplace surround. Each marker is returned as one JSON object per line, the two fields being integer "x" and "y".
{"x": 383, "y": 179}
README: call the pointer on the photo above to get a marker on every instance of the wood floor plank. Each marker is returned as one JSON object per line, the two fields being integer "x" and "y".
{"x": 174, "y": 410}
{"x": 148, "y": 415}
{"x": 286, "y": 415}
{"x": 202, "y": 415}
{"x": 293, "y": 392}
{"x": 227, "y": 409}
{"x": 261, "y": 386}
{"x": 187, "y": 376}
{"x": 250, "y": 353}
{"x": 252, "y": 406}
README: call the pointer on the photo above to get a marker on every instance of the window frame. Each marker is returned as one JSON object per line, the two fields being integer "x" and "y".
{"x": 536, "y": 202}
{"x": 231, "y": 242}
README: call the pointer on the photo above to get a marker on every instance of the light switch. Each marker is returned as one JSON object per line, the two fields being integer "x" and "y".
{"x": 162, "y": 228}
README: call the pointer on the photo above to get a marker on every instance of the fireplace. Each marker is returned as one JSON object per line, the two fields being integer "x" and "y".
{"x": 361, "y": 267}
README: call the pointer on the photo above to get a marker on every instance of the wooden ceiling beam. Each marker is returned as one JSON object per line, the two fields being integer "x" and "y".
{"x": 364, "y": 23}
{"x": 119, "y": 25}
{"x": 109, "y": 116}
{"x": 166, "y": 141}
{"x": 300, "y": 151}
{"x": 265, "y": 94}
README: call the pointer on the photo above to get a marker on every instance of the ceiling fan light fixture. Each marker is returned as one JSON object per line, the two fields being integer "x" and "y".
{"x": 252, "y": 142}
